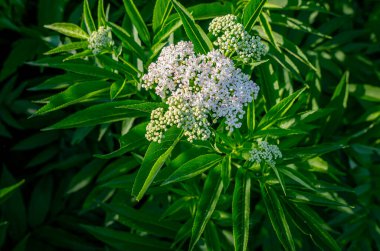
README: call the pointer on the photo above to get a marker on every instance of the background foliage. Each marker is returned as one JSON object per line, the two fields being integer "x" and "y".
{"x": 71, "y": 189}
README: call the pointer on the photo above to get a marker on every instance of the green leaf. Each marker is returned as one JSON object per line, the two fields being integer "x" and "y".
{"x": 304, "y": 153}
{"x": 251, "y": 118}
{"x": 226, "y": 172}
{"x": 106, "y": 113}
{"x": 277, "y": 132}
{"x": 193, "y": 168}
{"x": 117, "y": 168}
{"x": 127, "y": 39}
{"x": 143, "y": 221}
{"x": 161, "y": 12}
{"x": 279, "y": 110}
{"x": 204, "y": 11}
{"x": 14, "y": 209}
{"x": 251, "y": 12}
{"x": 241, "y": 209}
{"x": 122, "y": 240}
{"x": 166, "y": 30}
{"x": 68, "y": 47}
{"x": 178, "y": 205}
{"x": 6, "y": 192}
{"x": 137, "y": 21}
{"x": 211, "y": 237}
{"x": 154, "y": 159}
{"x": 80, "y": 55}
{"x": 297, "y": 177}
{"x": 73, "y": 95}
{"x": 40, "y": 200}
{"x": 316, "y": 199}
{"x": 293, "y": 23}
{"x": 277, "y": 216}
{"x": 21, "y": 246}
{"x": 339, "y": 103}
{"x": 62, "y": 239}
{"x": 88, "y": 20}
{"x": 86, "y": 174}
{"x": 61, "y": 82}
{"x": 68, "y": 29}
{"x": 122, "y": 67}
{"x": 314, "y": 226}
{"x": 81, "y": 68}
{"x": 200, "y": 12}
{"x": 3, "y": 232}
{"x": 36, "y": 140}
{"x": 365, "y": 92}
{"x": 134, "y": 139}
{"x": 202, "y": 43}
{"x": 209, "y": 198}
{"x": 268, "y": 31}
{"x": 102, "y": 19}
{"x": 116, "y": 88}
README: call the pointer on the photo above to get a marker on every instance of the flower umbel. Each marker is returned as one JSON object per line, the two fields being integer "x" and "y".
{"x": 100, "y": 40}
{"x": 196, "y": 88}
{"x": 231, "y": 37}
{"x": 265, "y": 153}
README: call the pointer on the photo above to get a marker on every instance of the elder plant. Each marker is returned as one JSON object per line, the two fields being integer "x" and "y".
{"x": 202, "y": 128}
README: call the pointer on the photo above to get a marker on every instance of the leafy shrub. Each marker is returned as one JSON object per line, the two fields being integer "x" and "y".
{"x": 136, "y": 155}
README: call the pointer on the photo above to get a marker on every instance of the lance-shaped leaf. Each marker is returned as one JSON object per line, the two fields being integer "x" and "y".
{"x": 79, "y": 68}
{"x": 88, "y": 20}
{"x": 6, "y": 192}
{"x": 161, "y": 12}
{"x": 121, "y": 240}
{"x": 338, "y": 103}
{"x": 124, "y": 66}
{"x": 135, "y": 138}
{"x": 127, "y": 39}
{"x": 226, "y": 171}
{"x": 101, "y": 14}
{"x": 106, "y": 113}
{"x": 68, "y": 29}
{"x": 74, "y": 94}
{"x": 202, "y": 43}
{"x": 251, "y": 12}
{"x": 277, "y": 217}
{"x": 251, "y": 118}
{"x": 279, "y": 110}
{"x": 311, "y": 224}
{"x": 193, "y": 168}
{"x": 241, "y": 209}
{"x": 68, "y": 47}
{"x": 154, "y": 159}
{"x": 207, "y": 203}
{"x": 137, "y": 21}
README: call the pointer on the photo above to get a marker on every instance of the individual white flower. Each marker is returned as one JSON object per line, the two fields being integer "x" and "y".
{"x": 100, "y": 40}
{"x": 231, "y": 37}
{"x": 265, "y": 153}
{"x": 197, "y": 89}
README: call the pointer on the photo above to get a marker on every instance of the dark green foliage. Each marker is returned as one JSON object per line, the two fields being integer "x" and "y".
{"x": 79, "y": 174}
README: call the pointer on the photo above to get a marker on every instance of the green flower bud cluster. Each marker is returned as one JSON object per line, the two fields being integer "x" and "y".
{"x": 265, "y": 153}
{"x": 100, "y": 40}
{"x": 231, "y": 37}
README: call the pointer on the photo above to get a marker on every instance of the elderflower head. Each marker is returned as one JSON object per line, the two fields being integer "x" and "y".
{"x": 197, "y": 89}
{"x": 100, "y": 40}
{"x": 231, "y": 37}
{"x": 265, "y": 153}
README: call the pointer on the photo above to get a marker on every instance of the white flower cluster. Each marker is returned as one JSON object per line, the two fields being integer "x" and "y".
{"x": 100, "y": 40}
{"x": 231, "y": 37}
{"x": 196, "y": 88}
{"x": 265, "y": 153}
